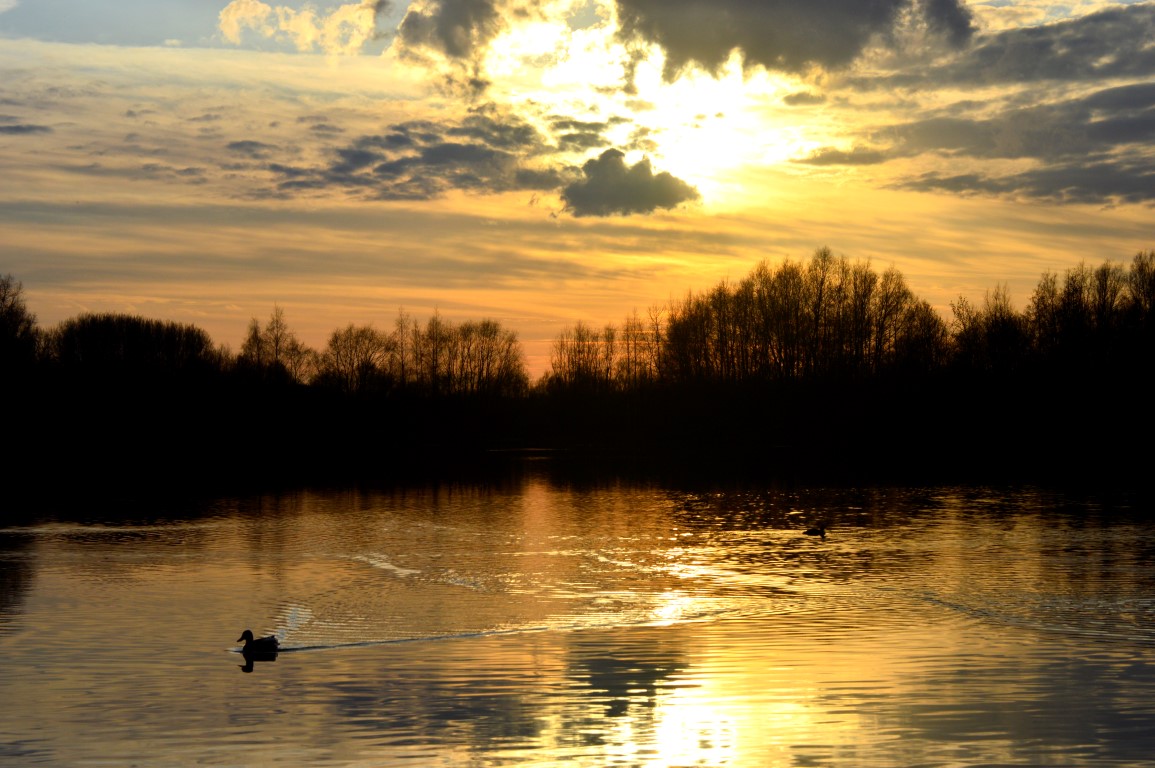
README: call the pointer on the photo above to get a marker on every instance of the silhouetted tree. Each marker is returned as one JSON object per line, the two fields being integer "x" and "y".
{"x": 18, "y": 331}
{"x": 275, "y": 348}
{"x": 354, "y": 358}
{"x": 126, "y": 346}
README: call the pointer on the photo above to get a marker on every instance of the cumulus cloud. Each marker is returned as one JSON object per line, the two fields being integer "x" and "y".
{"x": 344, "y": 30}
{"x": 785, "y": 35}
{"x": 460, "y": 29}
{"x": 611, "y": 187}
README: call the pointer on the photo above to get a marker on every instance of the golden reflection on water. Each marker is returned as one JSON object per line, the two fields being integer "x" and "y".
{"x": 543, "y": 625}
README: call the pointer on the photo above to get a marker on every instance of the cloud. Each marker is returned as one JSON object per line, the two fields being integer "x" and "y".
{"x": 254, "y": 149}
{"x": 1108, "y": 120}
{"x": 1105, "y": 182}
{"x": 454, "y": 36}
{"x": 460, "y": 29}
{"x": 611, "y": 187}
{"x": 803, "y": 98}
{"x": 582, "y": 135}
{"x": 785, "y": 35}
{"x": 1113, "y": 43}
{"x": 1065, "y": 113}
{"x": 1091, "y": 149}
{"x": 487, "y": 151}
{"x": 855, "y": 156}
{"x": 344, "y": 30}
{"x": 23, "y": 129}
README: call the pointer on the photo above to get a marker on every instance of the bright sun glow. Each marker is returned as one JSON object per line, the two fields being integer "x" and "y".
{"x": 700, "y": 128}
{"x": 704, "y": 126}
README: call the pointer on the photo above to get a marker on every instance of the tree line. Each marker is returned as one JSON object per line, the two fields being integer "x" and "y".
{"x": 831, "y": 319}
{"x": 824, "y": 361}
{"x": 440, "y": 358}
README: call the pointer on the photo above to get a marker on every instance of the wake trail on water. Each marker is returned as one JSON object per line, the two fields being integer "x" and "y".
{"x": 703, "y": 616}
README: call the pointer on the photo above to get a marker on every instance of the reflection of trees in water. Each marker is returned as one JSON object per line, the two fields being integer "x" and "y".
{"x": 1023, "y": 707}
{"x": 627, "y": 675}
{"x": 515, "y": 700}
{"x": 438, "y": 704}
{"x": 15, "y": 576}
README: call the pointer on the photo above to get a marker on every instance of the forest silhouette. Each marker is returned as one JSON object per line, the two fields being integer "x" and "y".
{"x": 823, "y": 369}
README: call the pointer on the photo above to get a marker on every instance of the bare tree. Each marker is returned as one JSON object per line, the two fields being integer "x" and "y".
{"x": 17, "y": 325}
{"x": 354, "y": 357}
{"x": 276, "y": 347}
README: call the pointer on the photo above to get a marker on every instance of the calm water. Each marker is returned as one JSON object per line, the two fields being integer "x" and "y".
{"x": 546, "y": 624}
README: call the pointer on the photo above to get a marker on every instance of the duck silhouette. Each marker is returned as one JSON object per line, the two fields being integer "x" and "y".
{"x": 818, "y": 530}
{"x": 258, "y": 646}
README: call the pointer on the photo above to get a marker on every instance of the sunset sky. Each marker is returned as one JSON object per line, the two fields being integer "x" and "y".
{"x": 541, "y": 162}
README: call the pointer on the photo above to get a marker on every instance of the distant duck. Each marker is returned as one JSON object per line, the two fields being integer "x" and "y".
{"x": 258, "y": 646}
{"x": 819, "y": 530}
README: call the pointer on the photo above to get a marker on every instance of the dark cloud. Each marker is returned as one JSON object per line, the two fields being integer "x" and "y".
{"x": 458, "y": 28}
{"x": 803, "y": 98}
{"x": 1100, "y": 122}
{"x": 856, "y": 156}
{"x": 320, "y": 125}
{"x": 1092, "y": 149}
{"x": 1076, "y": 111}
{"x": 787, "y": 35}
{"x": 949, "y": 18}
{"x": 1104, "y": 182}
{"x": 1115, "y": 43}
{"x": 486, "y": 151}
{"x": 461, "y": 30}
{"x": 24, "y": 129}
{"x": 257, "y": 150}
{"x": 582, "y": 135}
{"x": 611, "y": 187}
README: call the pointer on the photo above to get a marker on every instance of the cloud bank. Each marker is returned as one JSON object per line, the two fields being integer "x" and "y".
{"x": 1066, "y": 115}
{"x": 783, "y": 35}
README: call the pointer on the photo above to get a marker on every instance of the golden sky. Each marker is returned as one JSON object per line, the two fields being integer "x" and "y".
{"x": 542, "y": 162}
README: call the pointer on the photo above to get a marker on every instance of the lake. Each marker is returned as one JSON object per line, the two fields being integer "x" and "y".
{"x": 543, "y": 621}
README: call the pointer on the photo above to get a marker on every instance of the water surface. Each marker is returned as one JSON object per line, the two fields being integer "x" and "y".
{"x": 542, "y": 623}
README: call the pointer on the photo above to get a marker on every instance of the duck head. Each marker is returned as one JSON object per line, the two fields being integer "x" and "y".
{"x": 247, "y": 635}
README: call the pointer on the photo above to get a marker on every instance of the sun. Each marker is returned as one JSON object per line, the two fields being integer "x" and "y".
{"x": 703, "y": 128}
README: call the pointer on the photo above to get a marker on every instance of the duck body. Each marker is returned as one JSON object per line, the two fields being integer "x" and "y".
{"x": 258, "y": 645}
{"x": 819, "y": 530}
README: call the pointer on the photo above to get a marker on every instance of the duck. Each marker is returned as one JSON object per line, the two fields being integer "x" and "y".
{"x": 258, "y": 645}
{"x": 819, "y": 530}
